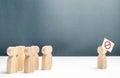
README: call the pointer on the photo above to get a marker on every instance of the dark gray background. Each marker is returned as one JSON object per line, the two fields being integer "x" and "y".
{"x": 72, "y": 27}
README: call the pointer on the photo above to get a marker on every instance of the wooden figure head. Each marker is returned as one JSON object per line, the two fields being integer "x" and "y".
{"x": 20, "y": 50}
{"x": 12, "y": 51}
{"x": 101, "y": 50}
{"x": 28, "y": 51}
{"x": 47, "y": 50}
{"x": 35, "y": 49}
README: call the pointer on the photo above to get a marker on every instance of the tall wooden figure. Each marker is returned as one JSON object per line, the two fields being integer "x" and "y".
{"x": 20, "y": 57}
{"x": 11, "y": 61}
{"x": 28, "y": 67}
{"x": 101, "y": 58}
{"x": 47, "y": 57}
{"x": 36, "y": 50}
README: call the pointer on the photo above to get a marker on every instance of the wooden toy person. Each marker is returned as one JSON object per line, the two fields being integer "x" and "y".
{"x": 47, "y": 57}
{"x": 11, "y": 61}
{"x": 101, "y": 57}
{"x": 28, "y": 62}
{"x": 36, "y": 56}
{"x": 33, "y": 58}
{"x": 20, "y": 57}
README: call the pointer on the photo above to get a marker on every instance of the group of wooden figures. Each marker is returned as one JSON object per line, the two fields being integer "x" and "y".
{"x": 21, "y": 58}
{"x": 26, "y": 58}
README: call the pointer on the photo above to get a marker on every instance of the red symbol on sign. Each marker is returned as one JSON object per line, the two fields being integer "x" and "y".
{"x": 107, "y": 45}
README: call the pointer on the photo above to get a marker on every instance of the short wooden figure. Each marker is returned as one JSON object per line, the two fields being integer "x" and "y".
{"x": 20, "y": 57}
{"x": 101, "y": 58}
{"x": 28, "y": 63}
{"x": 36, "y": 56}
{"x": 47, "y": 57}
{"x": 11, "y": 61}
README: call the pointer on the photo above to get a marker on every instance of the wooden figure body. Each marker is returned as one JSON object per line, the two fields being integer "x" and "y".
{"x": 47, "y": 57}
{"x": 101, "y": 58}
{"x": 36, "y": 56}
{"x": 11, "y": 61}
{"x": 33, "y": 58}
{"x": 28, "y": 63}
{"x": 20, "y": 57}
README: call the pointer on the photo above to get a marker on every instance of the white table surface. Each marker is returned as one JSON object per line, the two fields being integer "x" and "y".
{"x": 69, "y": 67}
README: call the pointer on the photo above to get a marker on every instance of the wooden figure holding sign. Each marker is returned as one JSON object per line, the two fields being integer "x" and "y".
{"x": 47, "y": 57}
{"x": 102, "y": 50}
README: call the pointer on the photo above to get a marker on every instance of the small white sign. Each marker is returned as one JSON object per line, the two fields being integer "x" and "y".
{"x": 108, "y": 45}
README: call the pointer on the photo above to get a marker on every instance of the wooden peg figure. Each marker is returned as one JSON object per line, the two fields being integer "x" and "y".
{"x": 101, "y": 58}
{"x": 20, "y": 57}
{"x": 11, "y": 61}
{"x": 47, "y": 57}
{"x": 33, "y": 58}
{"x": 36, "y": 50}
{"x": 28, "y": 63}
